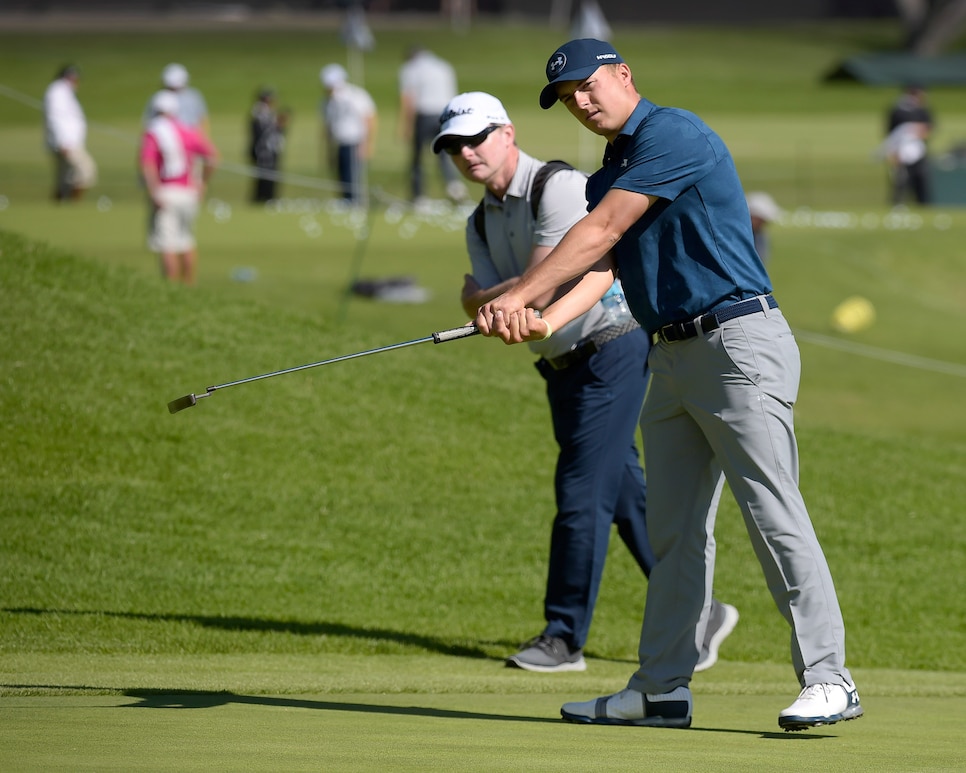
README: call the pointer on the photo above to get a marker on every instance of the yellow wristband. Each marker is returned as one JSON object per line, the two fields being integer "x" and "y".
{"x": 549, "y": 331}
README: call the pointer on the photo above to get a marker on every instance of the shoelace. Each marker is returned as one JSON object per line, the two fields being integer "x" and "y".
{"x": 548, "y": 644}
{"x": 812, "y": 691}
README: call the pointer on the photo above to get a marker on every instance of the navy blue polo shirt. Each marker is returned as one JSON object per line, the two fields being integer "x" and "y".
{"x": 693, "y": 251}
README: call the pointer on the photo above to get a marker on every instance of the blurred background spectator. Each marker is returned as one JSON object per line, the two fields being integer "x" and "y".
{"x": 168, "y": 155}
{"x": 349, "y": 118}
{"x": 66, "y": 136}
{"x": 267, "y": 127}
{"x": 763, "y": 211}
{"x": 426, "y": 85}
{"x": 192, "y": 108}
{"x": 908, "y": 126}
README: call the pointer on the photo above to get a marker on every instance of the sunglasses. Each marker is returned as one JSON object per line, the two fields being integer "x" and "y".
{"x": 454, "y": 145}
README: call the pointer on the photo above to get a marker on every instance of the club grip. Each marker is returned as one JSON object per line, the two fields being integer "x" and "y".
{"x": 453, "y": 333}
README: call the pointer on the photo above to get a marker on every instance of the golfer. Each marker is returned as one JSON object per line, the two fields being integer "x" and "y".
{"x": 595, "y": 369}
{"x": 668, "y": 214}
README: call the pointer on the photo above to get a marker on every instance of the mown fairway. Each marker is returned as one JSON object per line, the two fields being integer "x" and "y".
{"x": 328, "y": 567}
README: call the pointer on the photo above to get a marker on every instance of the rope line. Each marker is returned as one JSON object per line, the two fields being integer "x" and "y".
{"x": 884, "y": 355}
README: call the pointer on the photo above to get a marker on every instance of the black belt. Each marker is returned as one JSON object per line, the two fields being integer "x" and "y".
{"x": 582, "y": 350}
{"x": 681, "y": 331}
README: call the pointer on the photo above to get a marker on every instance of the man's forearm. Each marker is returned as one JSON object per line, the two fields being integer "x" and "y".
{"x": 152, "y": 181}
{"x": 473, "y": 300}
{"x": 580, "y": 249}
{"x": 579, "y": 299}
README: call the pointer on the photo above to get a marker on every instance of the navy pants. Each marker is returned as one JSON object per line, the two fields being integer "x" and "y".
{"x": 912, "y": 179}
{"x": 425, "y": 128}
{"x": 349, "y": 169}
{"x": 595, "y": 406}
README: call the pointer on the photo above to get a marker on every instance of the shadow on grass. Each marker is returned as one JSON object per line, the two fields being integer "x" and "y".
{"x": 155, "y": 700}
{"x": 213, "y": 700}
{"x": 173, "y": 699}
{"x": 164, "y": 700}
{"x": 298, "y": 628}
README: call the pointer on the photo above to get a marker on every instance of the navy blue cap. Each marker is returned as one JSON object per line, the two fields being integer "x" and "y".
{"x": 575, "y": 61}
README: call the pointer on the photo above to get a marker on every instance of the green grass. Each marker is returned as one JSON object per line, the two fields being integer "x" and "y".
{"x": 352, "y": 550}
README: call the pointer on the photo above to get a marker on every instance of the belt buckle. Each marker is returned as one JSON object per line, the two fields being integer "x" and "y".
{"x": 671, "y": 332}
{"x": 684, "y": 330}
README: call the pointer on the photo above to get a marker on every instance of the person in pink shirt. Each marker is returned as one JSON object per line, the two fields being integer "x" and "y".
{"x": 171, "y": 155}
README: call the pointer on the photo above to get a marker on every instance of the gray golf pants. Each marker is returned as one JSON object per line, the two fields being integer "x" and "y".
{"x": 720, "y": 407}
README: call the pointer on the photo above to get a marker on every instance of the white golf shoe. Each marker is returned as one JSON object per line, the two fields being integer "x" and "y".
{"x": 721, "y": 622}
{"x": 630, "y": 707}
{"x": 821, "y": 704}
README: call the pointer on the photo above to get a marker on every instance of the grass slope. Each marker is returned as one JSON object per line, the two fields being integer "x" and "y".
{"x": 356, "y": 508}
{"x": 241, "y": 504}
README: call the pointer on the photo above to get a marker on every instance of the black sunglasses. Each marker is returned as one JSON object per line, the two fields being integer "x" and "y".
{"x": 454, "y": 145}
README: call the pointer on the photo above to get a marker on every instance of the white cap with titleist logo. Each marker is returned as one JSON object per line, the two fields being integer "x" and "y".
{"x": 468, "y": 114}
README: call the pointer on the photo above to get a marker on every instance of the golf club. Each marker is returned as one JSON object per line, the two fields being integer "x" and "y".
{"x": 437, "y": 338}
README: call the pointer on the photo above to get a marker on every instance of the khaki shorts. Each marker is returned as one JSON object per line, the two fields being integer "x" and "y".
{"x": 76, "y": 170}
{"x": 172, "y": 224}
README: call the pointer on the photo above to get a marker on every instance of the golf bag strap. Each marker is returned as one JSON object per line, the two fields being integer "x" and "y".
{"x": 536, "y": 193}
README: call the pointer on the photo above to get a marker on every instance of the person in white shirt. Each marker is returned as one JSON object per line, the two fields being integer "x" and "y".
{"x": 66, "y": 137}
{"x": 349, "y": 118}
{"x": 426, "y": 85}
{"x": 906, "y": 147}
{"x": 192, "y": 108}
{"x": 763, "y": 210}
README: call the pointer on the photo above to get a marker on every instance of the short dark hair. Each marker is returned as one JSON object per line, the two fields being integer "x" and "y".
{"x": 68, "y": 70}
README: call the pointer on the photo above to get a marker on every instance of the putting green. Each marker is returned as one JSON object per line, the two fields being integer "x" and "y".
{"x": 226, "y": 731}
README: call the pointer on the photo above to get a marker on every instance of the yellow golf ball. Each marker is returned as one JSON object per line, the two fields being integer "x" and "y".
{"x": 853, "y": 314}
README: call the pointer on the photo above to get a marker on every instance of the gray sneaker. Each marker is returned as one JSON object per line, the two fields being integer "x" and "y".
{"x": 547, "y": 654}
{"x": 721, "y": 622}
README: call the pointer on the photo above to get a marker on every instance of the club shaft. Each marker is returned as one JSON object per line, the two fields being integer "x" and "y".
{"x": 319, "y": 364}
{"x": 438, "y": 337}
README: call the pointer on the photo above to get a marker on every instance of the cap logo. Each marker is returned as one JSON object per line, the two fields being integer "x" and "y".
{"x": 606, "y": 56}
{"x": 556, "y": 65}
{"x": 450, "y": 114}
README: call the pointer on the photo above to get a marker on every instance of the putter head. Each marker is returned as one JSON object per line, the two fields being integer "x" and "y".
{"x": 181, "y": 403}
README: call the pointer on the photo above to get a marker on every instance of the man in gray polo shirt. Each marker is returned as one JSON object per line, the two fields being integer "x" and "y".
{"x": 595, "y": 368}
